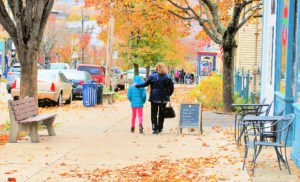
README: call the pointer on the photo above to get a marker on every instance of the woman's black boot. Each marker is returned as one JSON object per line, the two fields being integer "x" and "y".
{"x": 141, "y": 129}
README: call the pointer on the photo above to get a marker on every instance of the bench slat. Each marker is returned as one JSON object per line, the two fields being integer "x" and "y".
{"x": 38, "y": 118}
{"x": 23, "y": 106}
{"x": 26, "y": 110}
{"x": 26, "y": 115}
{"x": 18, "y": 102}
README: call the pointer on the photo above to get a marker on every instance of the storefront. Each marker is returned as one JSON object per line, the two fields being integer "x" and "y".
{"x": 284, "y": 71}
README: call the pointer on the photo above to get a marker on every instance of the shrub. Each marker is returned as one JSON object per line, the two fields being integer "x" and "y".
{"x": 209, "y": 92}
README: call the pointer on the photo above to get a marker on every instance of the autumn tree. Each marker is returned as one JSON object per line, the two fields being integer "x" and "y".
{"x": 26, "y": 28}
{"x": 146, "y": 32}
{"x": 220, "y": 20}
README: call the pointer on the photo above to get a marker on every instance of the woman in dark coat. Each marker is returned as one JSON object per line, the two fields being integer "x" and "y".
{"x": 162, "y": 88}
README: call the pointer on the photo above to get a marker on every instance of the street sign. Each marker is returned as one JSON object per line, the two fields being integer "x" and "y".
{"x": 74, "y": 55}
{"x": 115, "y": 55}
{"x": 190, "y": 117}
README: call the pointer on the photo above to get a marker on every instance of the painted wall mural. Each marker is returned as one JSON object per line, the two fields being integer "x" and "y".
{"x": 284, "y": 37}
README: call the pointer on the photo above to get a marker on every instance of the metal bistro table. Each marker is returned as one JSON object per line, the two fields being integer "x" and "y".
{"x": 254, "y": 109}
{"x": 261, "y": 120}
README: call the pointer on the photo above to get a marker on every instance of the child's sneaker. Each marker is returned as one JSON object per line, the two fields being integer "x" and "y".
{"x": 132, "y": 129}
{"x": 141, "y": 129}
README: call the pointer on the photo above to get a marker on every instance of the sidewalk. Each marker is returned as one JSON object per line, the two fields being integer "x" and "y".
{"x": 95, "y": 144}
{"x": 4, "y": 97}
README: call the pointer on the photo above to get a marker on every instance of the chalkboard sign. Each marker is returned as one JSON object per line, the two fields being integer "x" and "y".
{"x": 190, "y": 117}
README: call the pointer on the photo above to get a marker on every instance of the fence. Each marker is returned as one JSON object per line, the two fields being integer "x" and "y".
{"x": 241, "y": 83}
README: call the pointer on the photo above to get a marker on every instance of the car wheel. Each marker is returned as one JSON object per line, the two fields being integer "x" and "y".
{"x": 69, "y": 101}
{"x": 59, "y": 101}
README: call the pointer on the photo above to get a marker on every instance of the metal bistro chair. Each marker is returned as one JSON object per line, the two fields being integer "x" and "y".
{"x": 242, "y": 126}
{"x": 272, "y": 136}
{"x": 282, "y": 131}
{"x": 245, "y": 108}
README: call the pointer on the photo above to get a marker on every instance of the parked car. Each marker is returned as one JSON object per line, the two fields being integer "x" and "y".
{"x": 13, "y": 74}
{"x": 130, "y": 74}
{"x": 59, "y": 66}
{"x": 119, "y": 78}
{"x": 97, "y": 72}
{"x": 78, "y": 78}
{"x": 53, "y": 87}
{"x": 1, "y": 73}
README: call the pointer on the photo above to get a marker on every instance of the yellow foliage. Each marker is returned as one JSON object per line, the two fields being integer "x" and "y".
{"x": 209, "y": 92}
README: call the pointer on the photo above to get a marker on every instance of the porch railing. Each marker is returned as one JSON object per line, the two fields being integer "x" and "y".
{"x": 241, "y": 83}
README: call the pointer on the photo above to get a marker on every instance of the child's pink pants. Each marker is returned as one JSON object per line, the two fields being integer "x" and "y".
{"x": 138, "y": 110}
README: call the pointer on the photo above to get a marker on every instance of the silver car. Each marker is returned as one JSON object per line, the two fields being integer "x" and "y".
{"x": 1, "y": 73}
{"x": 53, "y": 87}
{"x": 13, "y": 74}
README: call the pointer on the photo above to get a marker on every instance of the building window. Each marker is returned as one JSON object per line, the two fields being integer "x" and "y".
{"x": 271, "y": 54}
{"x": 284, "y": 37}
{"x": 273, "y": 7}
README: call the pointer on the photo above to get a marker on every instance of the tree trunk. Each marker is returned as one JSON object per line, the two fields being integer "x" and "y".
{"x": 136, "y": 69}
{"x": 228, "y": 90}
{"x": 28, "y": 81}
{"x": 147, "y": 71}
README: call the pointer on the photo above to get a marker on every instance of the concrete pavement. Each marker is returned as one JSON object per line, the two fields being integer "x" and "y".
{"x": 100, "y": 138}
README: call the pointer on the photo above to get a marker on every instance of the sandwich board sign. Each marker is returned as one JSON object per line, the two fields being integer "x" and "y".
{"x": 190, "y": 117}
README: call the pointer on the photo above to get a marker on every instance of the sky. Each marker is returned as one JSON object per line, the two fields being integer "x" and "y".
{"x": 72, "y": 2}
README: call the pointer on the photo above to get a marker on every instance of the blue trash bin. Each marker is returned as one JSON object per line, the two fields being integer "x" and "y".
{"x": 89, "y": 94}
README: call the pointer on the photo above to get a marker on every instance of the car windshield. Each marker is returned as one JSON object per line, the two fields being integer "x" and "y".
{"x": 46, "y": 76}
{"x": 117, "y": 70}
{"x": 142, "y": 70}
{"x": 57, "y": 66}
{"x": 89, "y": 69}
{"x": 15, "y": 69}
{"x": 76, "y": 75}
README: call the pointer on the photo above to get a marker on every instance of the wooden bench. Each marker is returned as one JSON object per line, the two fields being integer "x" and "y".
{"x": 109, "y": 96}
{"x": 24, "y": 116}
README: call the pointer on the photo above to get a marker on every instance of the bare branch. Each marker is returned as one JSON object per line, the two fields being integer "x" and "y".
{"x": 192, "y": 10}
{"x": 213, "y": 8}
{"x": 248, "y": 18}
{"x": 253, "y": 8}
{"x": 210, "y": 22}
{"x": 46, "y": 12}
{"x": 181, "y": 16}
{"x": 6, "y": 21}
{"x": 178, "y": 6}
{"x": 213, "y": 36}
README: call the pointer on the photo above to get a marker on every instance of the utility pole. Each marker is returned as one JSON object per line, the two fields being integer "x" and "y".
{"x": 82, "y": 27}
{"x": 109, "y": 52}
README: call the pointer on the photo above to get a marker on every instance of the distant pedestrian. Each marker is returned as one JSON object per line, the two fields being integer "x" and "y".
{"x": 137, "y": 97}
{"x": 177, "y": 76}
{"x": 182, "y": 74}
{"x": 192, "y": 78}
{"x": 162, "y": 88}
{"x": 187, "y": 78}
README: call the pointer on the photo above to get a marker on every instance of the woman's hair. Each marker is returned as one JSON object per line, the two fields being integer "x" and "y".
{"x": 161, "y": 68}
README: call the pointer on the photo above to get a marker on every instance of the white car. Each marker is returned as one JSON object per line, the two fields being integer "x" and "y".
{"x": 53, "y": 87}
{"x": 130, "y": 74}
{"x": 1, "y": 73}
{"x": 59, "y": 66}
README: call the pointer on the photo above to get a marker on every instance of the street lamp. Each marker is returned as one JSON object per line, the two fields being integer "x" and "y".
{"x": 82, "y": 26}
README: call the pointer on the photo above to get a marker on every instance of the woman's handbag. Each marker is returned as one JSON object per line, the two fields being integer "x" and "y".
{"x": 169, "y": 112}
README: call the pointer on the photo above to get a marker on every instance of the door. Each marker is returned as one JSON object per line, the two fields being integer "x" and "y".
{"x": 66, "y": 87}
